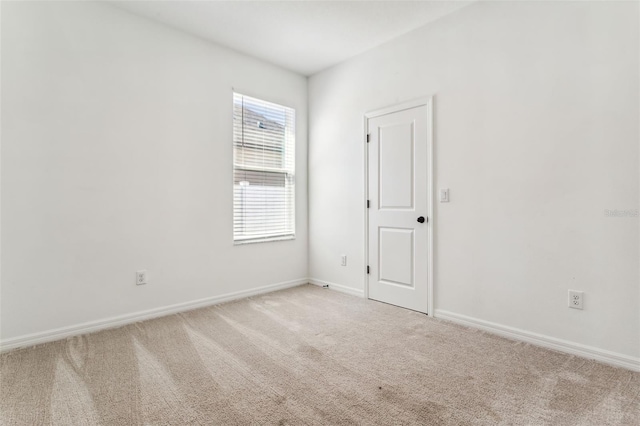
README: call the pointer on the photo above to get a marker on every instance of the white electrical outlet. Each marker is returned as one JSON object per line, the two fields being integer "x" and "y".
{"x": 576, "y": 299}
{"x": 141, "y": 277}
{"x": 343, "y": 260}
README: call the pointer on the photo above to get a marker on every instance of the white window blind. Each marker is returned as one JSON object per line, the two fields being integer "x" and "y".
{"x": 263, "y": 170}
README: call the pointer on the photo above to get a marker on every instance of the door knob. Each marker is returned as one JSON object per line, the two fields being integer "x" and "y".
{"x": 421, "y": 219}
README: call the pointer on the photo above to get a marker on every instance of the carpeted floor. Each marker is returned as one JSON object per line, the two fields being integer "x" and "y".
{"x": 308, "y": 356}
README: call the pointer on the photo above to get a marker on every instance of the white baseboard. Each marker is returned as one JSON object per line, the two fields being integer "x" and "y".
{"x": 118, "y": 321}
{"x": 608, "y": 357}
{"x": 337, "y": 287}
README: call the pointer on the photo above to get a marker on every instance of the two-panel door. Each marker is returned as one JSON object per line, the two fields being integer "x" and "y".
{"x": 398, "y": 171}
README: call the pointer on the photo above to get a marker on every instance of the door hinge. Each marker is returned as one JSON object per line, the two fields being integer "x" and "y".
{"x": 368, "y": 204}
{"x": 368, "y": 270}
{"x": 368, "y": 137}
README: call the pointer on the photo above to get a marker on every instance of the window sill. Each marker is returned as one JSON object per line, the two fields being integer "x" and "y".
{"x": 264, "y": 240}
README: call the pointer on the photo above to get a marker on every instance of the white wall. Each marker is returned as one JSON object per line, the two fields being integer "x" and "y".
{"x": 536, "y": 134}
{"x": 116, "y": 156}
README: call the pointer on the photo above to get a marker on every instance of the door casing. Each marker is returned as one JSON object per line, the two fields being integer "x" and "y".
{"x": 428, "y": 102}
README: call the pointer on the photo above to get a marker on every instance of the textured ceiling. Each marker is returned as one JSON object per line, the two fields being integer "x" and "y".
{"x": 303, "y": 36}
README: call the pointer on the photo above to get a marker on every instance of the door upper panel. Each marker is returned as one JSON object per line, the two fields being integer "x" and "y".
{"x": 395, "y": 166}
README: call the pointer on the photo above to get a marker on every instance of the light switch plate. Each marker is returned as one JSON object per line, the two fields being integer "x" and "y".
{"x": 444, "y": 195}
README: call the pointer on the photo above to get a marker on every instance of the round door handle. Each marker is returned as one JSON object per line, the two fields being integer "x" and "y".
{"x": 421, "y": 219}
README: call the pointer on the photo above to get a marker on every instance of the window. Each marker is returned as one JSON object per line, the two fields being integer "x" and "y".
{"x": 263, "y": 170}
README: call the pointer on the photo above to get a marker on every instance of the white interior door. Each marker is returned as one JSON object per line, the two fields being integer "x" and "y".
{"x": 399, "y": 179}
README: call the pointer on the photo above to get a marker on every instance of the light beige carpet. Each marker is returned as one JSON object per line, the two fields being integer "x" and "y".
{"x": 308, "y": 356}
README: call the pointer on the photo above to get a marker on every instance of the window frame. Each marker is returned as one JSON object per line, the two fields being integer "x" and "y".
{"x": 289, "y": 173}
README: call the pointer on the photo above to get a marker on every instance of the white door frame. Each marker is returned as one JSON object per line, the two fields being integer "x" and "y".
{"x": 428, "y": 102}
